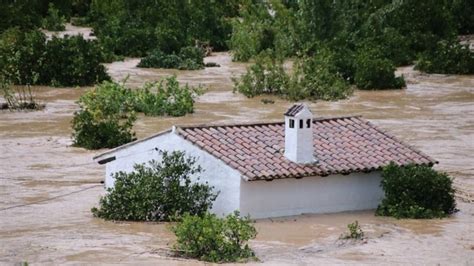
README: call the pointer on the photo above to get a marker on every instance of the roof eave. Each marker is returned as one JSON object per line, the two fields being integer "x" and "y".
{"x": 103, "y": 158}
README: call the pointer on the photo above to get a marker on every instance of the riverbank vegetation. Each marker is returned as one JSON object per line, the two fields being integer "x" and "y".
{"x": 418, "y": 192}
{"x": 26, "y": 57}
{"x": 365, "y": 39}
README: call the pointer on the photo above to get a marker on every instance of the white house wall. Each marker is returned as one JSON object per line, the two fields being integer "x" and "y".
{"x": 334, "y": 193}
{"x": 218, "y": 174}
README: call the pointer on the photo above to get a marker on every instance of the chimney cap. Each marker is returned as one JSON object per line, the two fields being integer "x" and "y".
{"x": 295, "y": 109}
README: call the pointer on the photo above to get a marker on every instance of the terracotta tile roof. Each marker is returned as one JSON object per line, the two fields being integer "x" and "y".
{"x": 294, "y": 110}
{"x": 342, "y": 145}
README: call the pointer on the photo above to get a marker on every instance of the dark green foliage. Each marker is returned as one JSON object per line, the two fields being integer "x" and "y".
{"x": 105, "y": 118}
{"x": 416, "y": 192}
{"x": 449, "y": 57}
{"x": 189, "y": 58}
{"x": 157, "y": 191}
{"x": 22, "y": 14}
{"x": 375, "y": 72}
{"x": 72, "y": 61}
{"x": 165, "y": 97}
{"x": 21, "y": 55}
{"x": 256, "y": 30}
{"x": 366, "y": 39}
{"x": 53, "y": 21}
{"x": 27, "y": 58}
{"x": 463, "y": 14}
{"x": 135, "y": 27}
{"x": 214, "y": 239}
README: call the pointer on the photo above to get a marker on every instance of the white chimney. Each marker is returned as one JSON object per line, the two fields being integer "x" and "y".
{"x": 299, "y": 146}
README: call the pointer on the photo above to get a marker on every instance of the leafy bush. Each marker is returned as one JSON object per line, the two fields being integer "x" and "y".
{"x": 317, "y": 78}
{"x": 105, "y": 118}
{"x": 355, "y": 232}
{"x": 165, "y": 97}
{"x": 27, "y": 58}
{"x": 449, "y": 57}
{"x": 214, "y": 239}
{"x": 54, "y": 21}
{"x": 157, "y": 191}
{"x": 374, "y": 72}
{"x": 416, "y": 192}
{"x": 266, "y": 76}
{"x": 313, "y": 78}
{"x": 189, "y": 58}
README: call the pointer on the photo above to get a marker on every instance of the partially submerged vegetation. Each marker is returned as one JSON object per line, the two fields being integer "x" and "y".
{"x": 214, "y": 239}
{"x": 105, "y": 118}
{"x": 167, "y": 190}
{"x": 18, "y": 97}
{"x": 354, "y": 231}
{"x": 311, "y": 78}
{"x": 448, "y": 57}
{"x": 188, "y": 58}
{"x": 26, "y": 57}
{"x": 366, "y": 40}
{"x": 157, "y": 191}
{"x": 108, "y": 111}
{"x": 418, "y": 192}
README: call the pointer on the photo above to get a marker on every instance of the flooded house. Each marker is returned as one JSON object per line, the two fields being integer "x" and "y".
{"x": 271, "y": 169}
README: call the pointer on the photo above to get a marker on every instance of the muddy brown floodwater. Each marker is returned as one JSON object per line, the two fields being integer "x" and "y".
{"x": 47, "y": 187}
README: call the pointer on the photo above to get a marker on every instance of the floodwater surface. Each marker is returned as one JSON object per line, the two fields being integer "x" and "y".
{"x": 47, "y": 187}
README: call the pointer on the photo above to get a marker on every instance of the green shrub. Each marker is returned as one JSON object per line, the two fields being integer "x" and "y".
{"x": 416, "y": 192}
{"x": 27, "y": 58}
{"x": 105, "y": 118}
{"x": 266, "y": 76}
{"x": 189, "y": 58}
{"x": 449, "y": 57}
{"x": 317, "y": 78}
{"x": 375, "y": 72}
{"x": 313, "y": 78}
{"x": 355, "y": 232}
{"x": 157, "y": 191}
{"x": 54, "y": 21}
{"x": 214, "y": 239}
{"x": 165, "y": 97}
